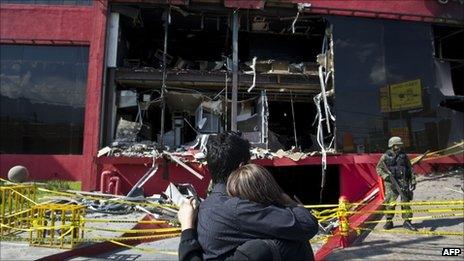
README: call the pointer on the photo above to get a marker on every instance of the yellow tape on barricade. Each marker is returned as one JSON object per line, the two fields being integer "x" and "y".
{"x": 66, "y": 233}
{"x": 322, "y": 239}
{"x": 98, "y": 239}
{"x": 17, "y": 214}
{"x": 409, "y": 232}
{"x": 417, "y": 203}
{"x": 428, "y": 203}
{"x": 135, "y": 231}
{"x": 324, "y": 212}
{"x": 322, "y": 219}
{"x": 321, "y": 206}
{"x": 112, "y": 200}
{"x": 93, "y": 220}
{"x": 23, "y": 196}
{"x": 101, "y": 239}
{"x": 172, "y": 253}
{"x": 18, "y": 229}
{"x": 437, "y": 210}
{"x": 32, "y": 228}
{"x": 444, "y": 216}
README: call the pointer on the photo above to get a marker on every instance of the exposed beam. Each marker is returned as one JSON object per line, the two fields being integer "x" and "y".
{"x": 233, "y": 111}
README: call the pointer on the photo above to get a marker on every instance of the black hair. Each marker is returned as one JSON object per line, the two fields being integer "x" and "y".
{"x": 226, "y": 151}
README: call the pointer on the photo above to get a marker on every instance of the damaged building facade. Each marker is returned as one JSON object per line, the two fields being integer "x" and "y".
{"x": 97, "y": 90}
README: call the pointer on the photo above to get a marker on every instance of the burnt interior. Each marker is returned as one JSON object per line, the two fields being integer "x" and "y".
{"x": 198, "y": 62}
{"x": 448, "y": 47}
{"x": 304, "y": 182}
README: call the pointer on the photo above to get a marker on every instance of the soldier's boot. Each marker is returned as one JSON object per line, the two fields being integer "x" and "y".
{"x": 388, "y": 225}
{"x": 407, "y": 224}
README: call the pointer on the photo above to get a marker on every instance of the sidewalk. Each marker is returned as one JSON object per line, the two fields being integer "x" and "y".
{"x": 392, "y": 246}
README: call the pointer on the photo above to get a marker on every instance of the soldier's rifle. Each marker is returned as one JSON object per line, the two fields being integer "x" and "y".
{"x": 396, "y": 185}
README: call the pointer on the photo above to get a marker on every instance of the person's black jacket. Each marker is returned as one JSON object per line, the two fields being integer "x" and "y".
{"x": 189, "y": 248}
{"x": 253, "y": 250}
{"x": 225, "y": 223}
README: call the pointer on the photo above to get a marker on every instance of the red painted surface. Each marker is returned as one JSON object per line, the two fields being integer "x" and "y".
{"x": 357, "y": 172}
{"x": 48, "y": 24}
{"x": 130, "y": 170}
{"x": 45, "y": 166}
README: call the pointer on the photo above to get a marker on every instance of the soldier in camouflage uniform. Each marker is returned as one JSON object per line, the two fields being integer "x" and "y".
{"x": 395, "y": 164}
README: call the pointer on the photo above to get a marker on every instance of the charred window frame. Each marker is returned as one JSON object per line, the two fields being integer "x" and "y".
{"x": 387, "y": 86}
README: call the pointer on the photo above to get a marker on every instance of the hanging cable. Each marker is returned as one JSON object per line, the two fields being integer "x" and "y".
{"x": 293, "y": 118}
{"x": 167, "y": 21}
{"x": 324, "y": 76}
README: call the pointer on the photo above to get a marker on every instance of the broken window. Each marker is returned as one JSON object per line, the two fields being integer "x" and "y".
{"x": 278, "y": 77}
{"x": 42, "y": 99}
{"x": 388, "y": 84}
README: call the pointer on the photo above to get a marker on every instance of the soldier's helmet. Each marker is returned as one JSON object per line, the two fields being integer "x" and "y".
{"x": 394, "y": 141}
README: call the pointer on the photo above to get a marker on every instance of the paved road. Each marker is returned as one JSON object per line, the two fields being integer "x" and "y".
{"x": 389, "y": 246}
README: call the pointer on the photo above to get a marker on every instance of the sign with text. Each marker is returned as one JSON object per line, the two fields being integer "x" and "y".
{"x": 406, "y": 95}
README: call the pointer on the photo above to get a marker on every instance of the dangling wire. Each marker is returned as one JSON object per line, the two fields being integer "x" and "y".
{"x": 324, "y": 76}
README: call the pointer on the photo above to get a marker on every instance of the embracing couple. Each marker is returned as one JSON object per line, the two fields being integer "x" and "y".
{"x": 246, "y": 216}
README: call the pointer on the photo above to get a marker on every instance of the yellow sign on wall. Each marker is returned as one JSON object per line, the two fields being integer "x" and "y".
{"x": 406, "y": 95}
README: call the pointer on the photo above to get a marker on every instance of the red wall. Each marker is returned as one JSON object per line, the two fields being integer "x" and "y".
{"x": 70, "y": 25}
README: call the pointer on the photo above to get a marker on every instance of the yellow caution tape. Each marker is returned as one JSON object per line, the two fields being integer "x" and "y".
{"x": 428, "y": 203}
{"x": 172, "y": 253}
{"x": 16, "y": 228}
{"x": 443, "y": 216}
{"x": 33, "y": 228}
{"x": 98, "y": 239}
{"x": 322, "y": 238}
{"x": 420, "y": 232}
{"x": 112, "y": 200}
{"x": 410, "y": 203}
{"x": 156, "y": 230}
{"x": 67, "y": 232}
{"x": 321, "y": 206}
{"x": 435, "y": 210}
{"x": 93, "y": 220}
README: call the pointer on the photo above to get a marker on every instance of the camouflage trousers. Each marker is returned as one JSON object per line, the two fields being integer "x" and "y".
{"x": 391, "y": 195}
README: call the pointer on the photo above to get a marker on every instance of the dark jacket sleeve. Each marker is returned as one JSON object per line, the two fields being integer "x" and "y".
{"x": 189, "y": 248}
{"x": 290, "y": 223}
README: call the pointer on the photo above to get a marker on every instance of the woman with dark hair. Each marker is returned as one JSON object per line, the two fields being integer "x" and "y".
{"x": 253, "y": 183}
{"x": 237, "y": 227}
